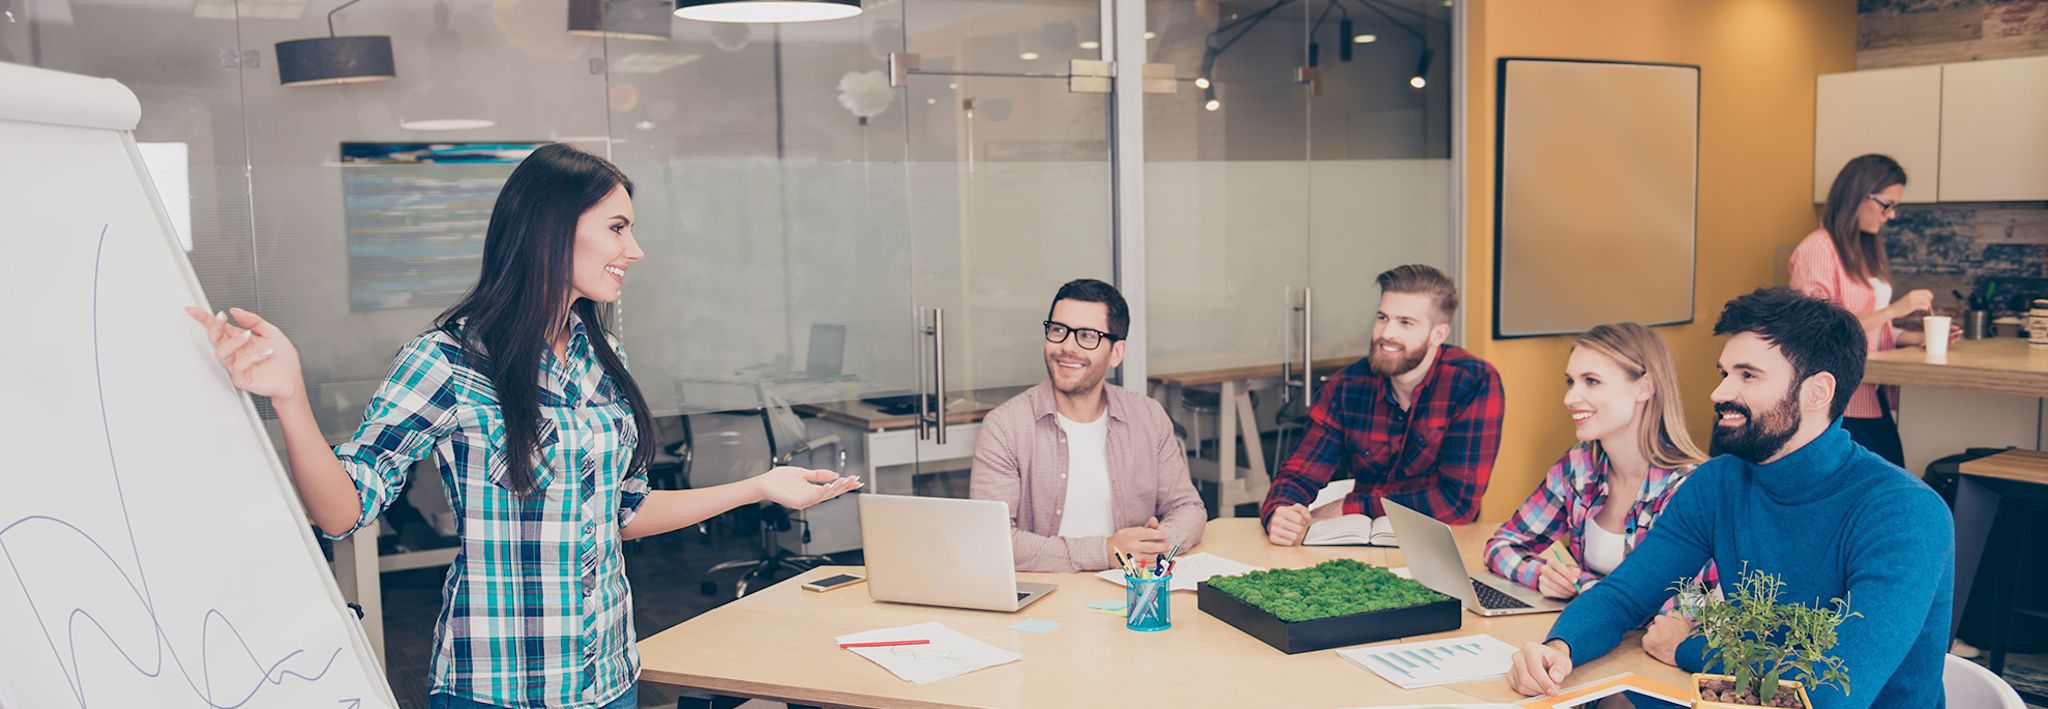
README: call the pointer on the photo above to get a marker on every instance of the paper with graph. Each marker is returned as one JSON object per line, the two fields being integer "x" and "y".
{"x": 949, "y": 654}
{"x": 152, "y": 553}
{"x": 1427, "y": 664}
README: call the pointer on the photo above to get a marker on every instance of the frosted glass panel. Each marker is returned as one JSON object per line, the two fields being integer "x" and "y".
{"x": 994, "y": 245}
{"x": 1010, "y": 198}
{"x": 1367, "y": 216}
{"x": 747, "y": 261}
{"x": 1225, "y": 245}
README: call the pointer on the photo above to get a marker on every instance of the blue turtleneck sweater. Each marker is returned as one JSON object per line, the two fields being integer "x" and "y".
{"x": 1831, "y": 520}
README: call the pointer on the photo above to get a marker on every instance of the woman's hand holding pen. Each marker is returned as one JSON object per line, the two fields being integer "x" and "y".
{"x": 1559, "y": 578}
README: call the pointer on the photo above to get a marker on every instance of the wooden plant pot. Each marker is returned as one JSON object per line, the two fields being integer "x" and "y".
{"x": 1784, "y": 685}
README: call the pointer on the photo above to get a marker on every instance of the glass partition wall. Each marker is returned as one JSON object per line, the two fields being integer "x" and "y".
{"x": 840, "y": 218}
{"x": 1304, "y": 148}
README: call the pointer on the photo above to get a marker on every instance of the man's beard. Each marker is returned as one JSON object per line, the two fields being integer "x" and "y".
{"x": 1758, "y": 439}
{"x": 1387, "y": 365}
{"x": 1088, "y": 379}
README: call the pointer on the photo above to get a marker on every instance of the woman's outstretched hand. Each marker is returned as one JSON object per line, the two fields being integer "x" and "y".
{"x": 797, "y": 488}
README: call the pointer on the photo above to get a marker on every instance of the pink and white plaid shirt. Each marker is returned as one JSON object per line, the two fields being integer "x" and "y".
{"x": 1816, "y": 270}
{"x": 1572, "y": 492}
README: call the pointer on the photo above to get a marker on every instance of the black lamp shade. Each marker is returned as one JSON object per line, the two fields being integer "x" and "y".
{"x": 334, "y": 60}
{"x": 766, "y": 11}
{"x": 622, "y": 19}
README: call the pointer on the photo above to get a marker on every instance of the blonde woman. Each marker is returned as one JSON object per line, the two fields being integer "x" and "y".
{"x": 1633, "y": 453}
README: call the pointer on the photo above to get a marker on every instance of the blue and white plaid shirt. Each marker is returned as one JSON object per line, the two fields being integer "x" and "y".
{"x": 535, "y": 611}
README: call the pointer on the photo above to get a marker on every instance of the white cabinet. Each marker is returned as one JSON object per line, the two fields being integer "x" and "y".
{"x": 1994, "y": 131}
{"x": 1896, "y": 112}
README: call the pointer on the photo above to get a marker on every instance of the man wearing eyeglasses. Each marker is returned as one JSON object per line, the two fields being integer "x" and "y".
{"x": 1087, "y": 469}
{"x": 1417, "y": 421}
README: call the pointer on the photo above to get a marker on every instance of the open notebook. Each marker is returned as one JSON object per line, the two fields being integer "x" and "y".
{"x": 1350, "y": 530}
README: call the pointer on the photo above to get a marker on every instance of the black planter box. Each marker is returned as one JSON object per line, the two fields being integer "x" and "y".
{"x": 1326, "y": 633}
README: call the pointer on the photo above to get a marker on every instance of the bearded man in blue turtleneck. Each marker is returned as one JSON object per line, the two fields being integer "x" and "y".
{"x": 1790, "y": 495}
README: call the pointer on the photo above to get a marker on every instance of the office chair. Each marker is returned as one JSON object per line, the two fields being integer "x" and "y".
{"x": 727, "y": 451}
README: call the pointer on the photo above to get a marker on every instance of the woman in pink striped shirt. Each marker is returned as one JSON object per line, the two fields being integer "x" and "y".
{"x": 1844, "y": 263}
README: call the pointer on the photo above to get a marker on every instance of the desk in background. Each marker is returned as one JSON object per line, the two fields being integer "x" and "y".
{"x": 2007, "y": 366}
{"x": 1235, "y": 419}
{"x": 1980, "y": 486}
{"x": 890, "y": 440}
{"x": 778, "y": 644}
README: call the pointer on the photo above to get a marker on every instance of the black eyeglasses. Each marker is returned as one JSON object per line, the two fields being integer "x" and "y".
{"x": 1088, "y": 338}
{"x": 1889, "y": 207}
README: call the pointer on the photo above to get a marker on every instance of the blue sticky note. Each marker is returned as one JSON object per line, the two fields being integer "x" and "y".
{"x": 1113, "y": 604}
{"x": 1034, "y": 625}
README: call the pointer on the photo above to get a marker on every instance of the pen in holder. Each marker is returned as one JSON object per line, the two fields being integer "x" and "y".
{"x": 1148, "y": 605}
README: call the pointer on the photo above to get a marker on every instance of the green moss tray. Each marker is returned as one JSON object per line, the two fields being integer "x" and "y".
{"x": 1333, "y": 604}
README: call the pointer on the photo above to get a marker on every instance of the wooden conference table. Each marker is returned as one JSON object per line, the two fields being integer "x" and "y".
{"x": 778, "y": 644}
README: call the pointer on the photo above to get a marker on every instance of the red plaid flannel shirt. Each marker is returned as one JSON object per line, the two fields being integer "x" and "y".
{"x": 1434, "y": 457}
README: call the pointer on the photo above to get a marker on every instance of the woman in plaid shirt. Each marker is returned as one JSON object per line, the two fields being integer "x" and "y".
{"x": 538, "y": 445}
{"x": 1633, "y": 453}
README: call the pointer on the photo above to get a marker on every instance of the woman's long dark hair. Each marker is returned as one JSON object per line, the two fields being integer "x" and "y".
{"x": 518, "y": 300}
{"x": 1862, "y": 252}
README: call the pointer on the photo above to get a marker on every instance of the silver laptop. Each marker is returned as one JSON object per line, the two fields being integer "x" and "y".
{"x": 938, "y": 551}
{"x": 1433, "y": 559}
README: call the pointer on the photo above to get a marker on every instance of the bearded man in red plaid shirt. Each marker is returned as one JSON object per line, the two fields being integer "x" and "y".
{"x": 1417, "y": 421}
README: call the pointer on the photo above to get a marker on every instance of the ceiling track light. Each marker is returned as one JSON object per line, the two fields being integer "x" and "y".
{"x": 1419, "y": 80}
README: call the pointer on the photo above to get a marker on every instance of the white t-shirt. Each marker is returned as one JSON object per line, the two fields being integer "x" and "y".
{"x": 1604, "y": 549}
{"x": 1882, "y": 290}
{"x": 1087, "y": 512}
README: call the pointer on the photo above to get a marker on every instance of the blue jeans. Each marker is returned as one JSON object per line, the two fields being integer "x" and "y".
{"x": 629, "y": 700}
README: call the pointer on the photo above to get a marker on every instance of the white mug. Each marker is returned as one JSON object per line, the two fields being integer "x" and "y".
{"x": 1936, "y": 327}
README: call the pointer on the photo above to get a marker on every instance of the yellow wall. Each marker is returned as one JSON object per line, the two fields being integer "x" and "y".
{"x": 1758, "y": 60}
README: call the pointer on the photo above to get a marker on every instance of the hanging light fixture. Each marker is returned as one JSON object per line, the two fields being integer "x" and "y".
{"x": 1421, "y": 70}
{"x": 621, "y": 19}
{"x": 766, "y": 11}
{"x": 335, "y": 60}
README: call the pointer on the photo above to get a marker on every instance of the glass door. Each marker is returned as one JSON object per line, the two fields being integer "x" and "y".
{"x": 1008, "y": 175}
{"x": 1380, "y": 171}
{"x": 769, "y": 320}
{"x": 1227, "y": 225}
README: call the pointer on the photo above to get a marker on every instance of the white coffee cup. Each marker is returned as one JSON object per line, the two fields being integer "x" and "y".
{"x": 1936, "y": 327}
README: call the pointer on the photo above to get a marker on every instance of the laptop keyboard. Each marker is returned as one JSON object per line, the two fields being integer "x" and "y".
{"x": 1492, "y": 598}
{"x": 1022, "y": 596}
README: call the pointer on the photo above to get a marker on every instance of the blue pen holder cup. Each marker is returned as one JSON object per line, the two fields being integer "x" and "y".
{"x": 1148, "y": 603}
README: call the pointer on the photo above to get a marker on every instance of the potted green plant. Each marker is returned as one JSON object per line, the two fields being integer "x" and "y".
{"x": 1770, "y": 653}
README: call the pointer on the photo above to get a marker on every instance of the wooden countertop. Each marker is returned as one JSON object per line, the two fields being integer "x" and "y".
{"x": 1204, "y": 377}
{"x": 2005, "y": 365}
{"x": 777, "y": 644}
{"x": 860, "y": 414}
